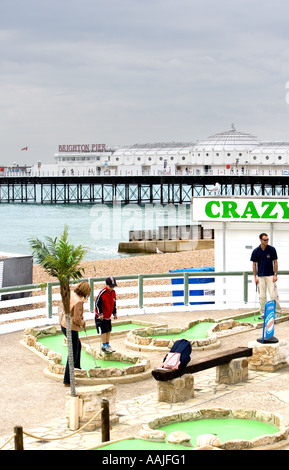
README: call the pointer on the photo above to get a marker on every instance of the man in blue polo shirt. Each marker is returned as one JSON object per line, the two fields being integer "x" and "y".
{"x": 265, "y": 269}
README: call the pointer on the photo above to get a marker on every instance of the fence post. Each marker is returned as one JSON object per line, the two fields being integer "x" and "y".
{"x": 105, "y": 431}
{"x": 186, "y": 288}
{"x": 49, "y": 299}
{"x": 18, "y": 439}
{"x": 245, "y": 274}
{"x": 91, "y": 299}
{"x": 140, "y": 291}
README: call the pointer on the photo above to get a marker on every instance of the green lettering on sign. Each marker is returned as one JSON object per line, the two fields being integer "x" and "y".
{"x": 229, "y": 210}
{"x": 285, "y": 208}
{"x": 234, "y": 209}
{"x": 250, "y": 210}
{"x": 208, "y": 209}
{"x": 267, "y": 212}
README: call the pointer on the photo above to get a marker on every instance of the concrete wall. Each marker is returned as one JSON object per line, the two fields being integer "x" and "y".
{"x": 166, "y": 246}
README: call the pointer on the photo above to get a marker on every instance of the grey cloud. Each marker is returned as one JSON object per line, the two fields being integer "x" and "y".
{"x": 135, "y": 70}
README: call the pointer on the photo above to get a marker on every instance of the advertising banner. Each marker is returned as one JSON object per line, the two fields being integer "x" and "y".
{"x": 240, "y": 209}
{"x": 269, "y": 323}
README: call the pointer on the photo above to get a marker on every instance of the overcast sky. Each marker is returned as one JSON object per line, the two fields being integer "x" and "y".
{"x": 122, "y": 72}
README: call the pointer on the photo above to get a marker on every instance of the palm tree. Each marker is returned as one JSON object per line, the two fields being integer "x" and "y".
{"x": 61, "y": 260}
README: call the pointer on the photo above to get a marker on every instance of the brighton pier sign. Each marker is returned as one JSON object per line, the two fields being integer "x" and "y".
{"x": 240, "y": 209}
{"x": 82, "y": 148}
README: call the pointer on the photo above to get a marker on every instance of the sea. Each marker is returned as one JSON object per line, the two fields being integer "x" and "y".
{"x": 99, "y": 227}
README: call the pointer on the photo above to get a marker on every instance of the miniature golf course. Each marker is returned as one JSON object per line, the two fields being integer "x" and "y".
{"x": 226, "y": 430}
{"x": 251, "y": 319}
{"x": 56, "y": 343}
{"x": 198, "y": 331}
{"x": 115, "y": 328}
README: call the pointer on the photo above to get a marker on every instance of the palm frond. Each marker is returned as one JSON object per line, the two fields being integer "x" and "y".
{"x": 60, "y": 258}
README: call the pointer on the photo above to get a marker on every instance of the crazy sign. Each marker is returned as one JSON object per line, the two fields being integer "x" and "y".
{"x": 240, "y": 209}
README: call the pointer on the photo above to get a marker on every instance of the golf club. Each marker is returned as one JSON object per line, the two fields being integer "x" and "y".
{"x": 91, "y": 351}
{"x": 255, "y": 301}
{"x": 98, "y": 329}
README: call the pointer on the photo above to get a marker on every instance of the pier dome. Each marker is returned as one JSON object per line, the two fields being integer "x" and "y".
{"x": 228, "y": 141}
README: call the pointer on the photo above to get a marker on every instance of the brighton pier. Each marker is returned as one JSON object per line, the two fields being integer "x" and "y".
{"x": 162, "y": 189}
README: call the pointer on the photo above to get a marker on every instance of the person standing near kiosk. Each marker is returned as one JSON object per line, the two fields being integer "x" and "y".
{"x": 265, "y": 270}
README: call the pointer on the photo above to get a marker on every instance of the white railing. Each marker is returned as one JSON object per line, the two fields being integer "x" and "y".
{"x": 139, "y": 294}
{"x": 191, "y": 172}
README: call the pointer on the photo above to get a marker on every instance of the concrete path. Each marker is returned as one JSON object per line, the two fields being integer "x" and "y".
{"x": 143, "y": 409}
{"x": 37, "y": 403}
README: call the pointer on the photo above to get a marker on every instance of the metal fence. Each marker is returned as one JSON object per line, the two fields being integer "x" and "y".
{"x": 142, "y": 293}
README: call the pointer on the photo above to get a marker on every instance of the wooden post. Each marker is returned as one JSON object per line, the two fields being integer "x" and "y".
{"x": 18, "y": 439}
{"x": 74, "y": 413}
{"x": 105, "y": 431}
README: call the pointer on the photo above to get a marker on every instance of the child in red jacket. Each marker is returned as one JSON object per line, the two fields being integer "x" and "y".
{"x": 105, "y": 307}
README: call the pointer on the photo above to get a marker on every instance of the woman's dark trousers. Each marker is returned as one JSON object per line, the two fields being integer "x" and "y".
{"x": 76, "y": 347}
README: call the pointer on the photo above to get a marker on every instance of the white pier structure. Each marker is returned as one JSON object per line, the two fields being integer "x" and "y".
{"x": 227, "y": 153}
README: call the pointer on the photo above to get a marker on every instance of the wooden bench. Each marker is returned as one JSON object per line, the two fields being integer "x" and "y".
{"x": 232, "y": 367}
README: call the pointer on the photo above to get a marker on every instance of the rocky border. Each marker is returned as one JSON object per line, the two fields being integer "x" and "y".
{"x": 257, "y": 325}
{"x": 142, "y": 340}
{"x": 139, "y": 369}
{"x": 229, "y": 327}
{"x": 143, "y": 324}
{"x": 150, "y": 430}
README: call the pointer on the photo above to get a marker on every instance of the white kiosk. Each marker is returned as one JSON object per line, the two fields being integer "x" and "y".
{"x": 237, "y": 223}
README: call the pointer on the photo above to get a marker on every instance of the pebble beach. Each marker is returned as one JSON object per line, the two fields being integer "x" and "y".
{"x": 143, "y": 264}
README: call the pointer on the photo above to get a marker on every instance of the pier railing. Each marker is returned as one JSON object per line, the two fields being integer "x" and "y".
{"x": 233, "y": 171}
{"x": 139, "y": 294}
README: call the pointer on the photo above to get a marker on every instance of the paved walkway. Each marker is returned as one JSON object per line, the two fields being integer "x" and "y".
{"x": 39, "y": 400}
{"x": 143, "y": 409}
